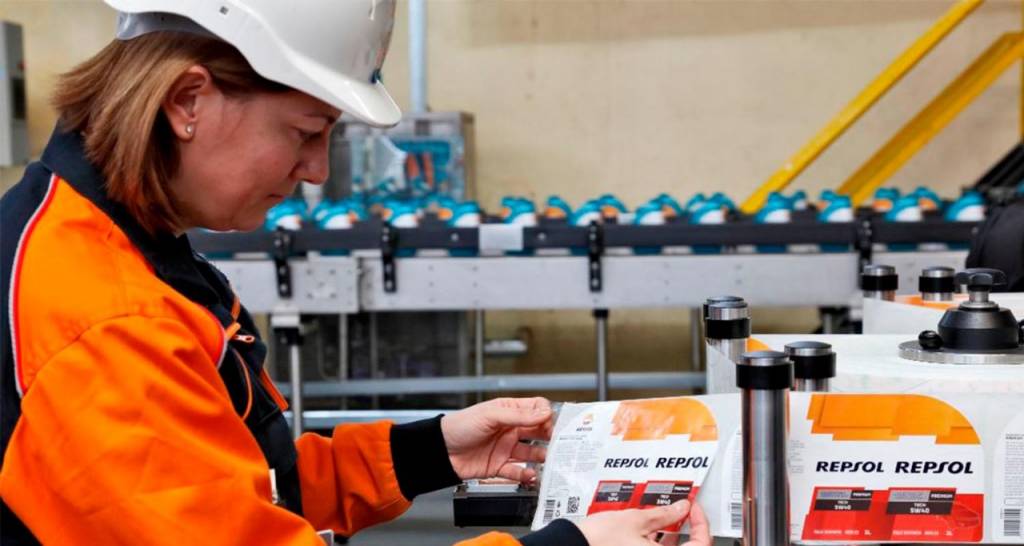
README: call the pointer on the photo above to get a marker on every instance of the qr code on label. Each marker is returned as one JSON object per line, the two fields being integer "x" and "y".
{"x": 574, "y": 505}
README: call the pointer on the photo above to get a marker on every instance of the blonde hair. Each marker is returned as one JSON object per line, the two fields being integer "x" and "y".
{"x": 115, "y": 100}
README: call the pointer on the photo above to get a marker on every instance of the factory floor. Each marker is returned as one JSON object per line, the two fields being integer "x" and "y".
{"x": 429, "y": 523}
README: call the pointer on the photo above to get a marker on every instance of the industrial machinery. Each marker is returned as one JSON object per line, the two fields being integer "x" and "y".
{"x": 811, "y": 364}
{"x": 978, "y": 331}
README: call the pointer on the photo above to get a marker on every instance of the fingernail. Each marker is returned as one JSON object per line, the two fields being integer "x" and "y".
{"x": 682, "y": 506}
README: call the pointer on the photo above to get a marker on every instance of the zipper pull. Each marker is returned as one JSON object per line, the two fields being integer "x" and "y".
{"x": 275, "y": 497}
{"x": 244, "y": 338}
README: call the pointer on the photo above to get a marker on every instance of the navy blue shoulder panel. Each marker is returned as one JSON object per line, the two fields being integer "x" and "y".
{"x": 16, "y": 209}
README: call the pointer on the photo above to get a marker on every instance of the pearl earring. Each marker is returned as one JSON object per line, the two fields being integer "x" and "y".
{"x": 190, "y": 129}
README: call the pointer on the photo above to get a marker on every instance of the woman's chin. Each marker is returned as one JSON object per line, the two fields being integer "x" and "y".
{"x": 243, "y": 224}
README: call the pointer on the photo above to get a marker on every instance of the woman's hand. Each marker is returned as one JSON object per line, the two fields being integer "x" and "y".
{"x": 484, "y": 440}
{"x": 640, "y": 527}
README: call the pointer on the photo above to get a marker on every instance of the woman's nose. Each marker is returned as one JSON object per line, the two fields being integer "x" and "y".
{"x": 315, "y": 167}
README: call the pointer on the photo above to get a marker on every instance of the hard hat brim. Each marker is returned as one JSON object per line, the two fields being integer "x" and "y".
{"x": 368, "y": 102}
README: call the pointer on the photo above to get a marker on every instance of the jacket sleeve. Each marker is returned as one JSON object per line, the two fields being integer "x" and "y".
{"x": 367, "y": 474}
{"x": 127, "y": 436}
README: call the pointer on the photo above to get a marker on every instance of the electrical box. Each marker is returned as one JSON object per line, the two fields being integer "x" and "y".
{"x": 13, "y": 100}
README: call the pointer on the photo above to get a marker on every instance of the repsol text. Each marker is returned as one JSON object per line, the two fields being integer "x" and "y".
{"x": 901, "y": 467}
{"x": 660, "y": 462}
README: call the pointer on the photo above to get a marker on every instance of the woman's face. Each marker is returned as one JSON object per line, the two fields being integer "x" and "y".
{"x": 245, "y": 155}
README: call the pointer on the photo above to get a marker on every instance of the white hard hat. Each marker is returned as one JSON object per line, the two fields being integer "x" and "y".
{"x": 330, "y": 49}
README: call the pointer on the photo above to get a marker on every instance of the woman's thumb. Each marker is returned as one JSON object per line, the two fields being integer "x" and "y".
{"x": 664, "y": 516}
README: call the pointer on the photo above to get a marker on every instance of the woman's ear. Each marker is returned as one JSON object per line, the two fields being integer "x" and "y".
{"x": 186, "y": 99}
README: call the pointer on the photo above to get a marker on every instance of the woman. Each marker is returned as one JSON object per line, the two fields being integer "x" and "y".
{"x": 135, "y": 404}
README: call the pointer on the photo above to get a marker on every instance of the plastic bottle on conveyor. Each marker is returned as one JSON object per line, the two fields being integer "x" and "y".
{"x": 649, "y": 214}
{"x": 798, "y": 201}
{"x": 669, "y": 206}
{"x": 884, "y": 199}
{"x": 970, "y": 207}
{"x": 927, "y": 199}
{"x": 713, "y": 211}
{"x": 611, "y": 208}
{"x": 444, "y": 208}
{"x": 289, "y": 214}
{"x": 436, "y": 203}
{"x": 905, "y": 209}
{"x": 838, "y": 210}
{"x": 775, "y": 211}
{"x": 583, "y": 216}
{"x": 402, "y": 215}
{"x": 465, "y": 215}
{"x": 506, "y": 207}
{"x": 521, "y": 212}
{"x": 320, "y": 210}
{"x": 334, "y": 216}
{"x": 356, "y": 210}
{"x": 824, "y": 198}
{"x": 557, "y": 208}
{"x": 695, "y": 202}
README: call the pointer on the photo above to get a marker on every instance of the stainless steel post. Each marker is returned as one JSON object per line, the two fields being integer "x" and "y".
{"x": 343, "y": 353}
{"x": 696, "y": 339}
{"x": 814, "y": 365}
{"x": 478, "y": 348}
{"x": 937, "y": 283}
{"x": 374, "y": 357}
{"x": 286, "y": 323}
{"x": 727, "y": 328}
{"x": 296, "y": 384}
{"x": 879, "y": 282}
{"x": 764, "y": 378}
{"x": 601, "y": 334}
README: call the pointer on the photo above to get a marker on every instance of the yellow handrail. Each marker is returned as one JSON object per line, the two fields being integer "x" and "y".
{"x": 868, "y": 97}
{"x": 999, "y": 57}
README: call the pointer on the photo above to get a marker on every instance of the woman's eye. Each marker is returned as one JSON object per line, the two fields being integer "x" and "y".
{"x": 307, "y": 136}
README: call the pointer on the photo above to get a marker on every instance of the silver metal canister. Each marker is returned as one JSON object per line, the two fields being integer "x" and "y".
{"x": 814, "y": 364}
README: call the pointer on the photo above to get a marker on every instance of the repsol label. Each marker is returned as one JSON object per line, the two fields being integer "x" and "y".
{"x": 849, "y": 466}
{"x": 902, "y": 467}
{"x": 638, "y": 462}
{"x": 934, "y": 467}
{"x": 660, "y": 462}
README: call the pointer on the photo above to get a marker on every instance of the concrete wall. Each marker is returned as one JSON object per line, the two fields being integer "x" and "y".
{"x": 638, "y": 97}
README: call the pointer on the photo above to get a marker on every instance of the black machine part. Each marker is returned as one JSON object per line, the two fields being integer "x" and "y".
{"x": 978, "y": 324}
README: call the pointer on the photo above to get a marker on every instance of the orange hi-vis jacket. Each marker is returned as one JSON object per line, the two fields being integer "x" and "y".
{"x": 134, "y": 405}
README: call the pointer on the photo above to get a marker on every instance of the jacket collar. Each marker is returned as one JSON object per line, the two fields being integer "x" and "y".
{"x": 171, "y": 257}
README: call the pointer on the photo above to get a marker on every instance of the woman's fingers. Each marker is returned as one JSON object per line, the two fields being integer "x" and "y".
{"x": 700, "y": 531}
{"x": 517, "y": 472}
{"x": 529, "y": 453}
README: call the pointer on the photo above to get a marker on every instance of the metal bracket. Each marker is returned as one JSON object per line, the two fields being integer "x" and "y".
{"x": 595, "y": 249}
{"x": 388, "y": 247}
{"x": 865, "y": 243}
{"x": 283, "y": 271}
{"x": 286, "y": 323}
